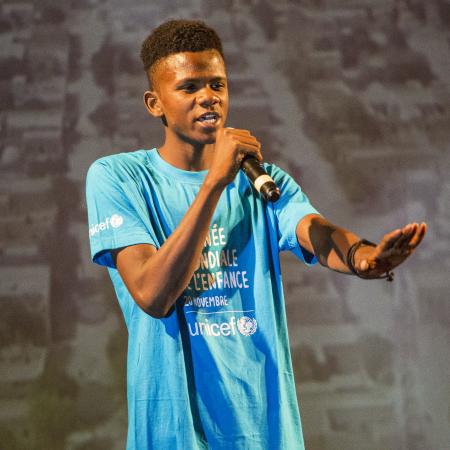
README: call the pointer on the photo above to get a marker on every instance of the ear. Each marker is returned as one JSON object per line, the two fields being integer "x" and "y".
{"x": 153, "y": 104}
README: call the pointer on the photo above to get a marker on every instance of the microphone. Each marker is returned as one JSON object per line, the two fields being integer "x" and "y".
{"x": 260, "y": 179}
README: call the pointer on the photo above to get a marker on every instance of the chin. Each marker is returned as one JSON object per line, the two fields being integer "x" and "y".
{"x": 211, "y": 140}
{"x": 206, "y": 139}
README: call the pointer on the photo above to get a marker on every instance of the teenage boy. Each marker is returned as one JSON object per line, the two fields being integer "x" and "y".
{"x": 192, "y": 251}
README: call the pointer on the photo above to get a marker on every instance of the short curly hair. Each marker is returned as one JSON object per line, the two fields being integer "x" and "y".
{"x": 175, "y": 36}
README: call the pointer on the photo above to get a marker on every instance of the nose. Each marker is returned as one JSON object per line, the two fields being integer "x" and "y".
{"x": 208, "y": 97}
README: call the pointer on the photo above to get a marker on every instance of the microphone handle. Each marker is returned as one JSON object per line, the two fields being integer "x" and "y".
{"x": 263, "y": 183}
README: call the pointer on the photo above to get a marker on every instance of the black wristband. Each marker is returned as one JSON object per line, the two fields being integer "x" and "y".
{"x": 351, "y": 260}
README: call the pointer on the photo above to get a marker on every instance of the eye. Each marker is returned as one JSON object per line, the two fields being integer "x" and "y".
{"x": 189, "y": 88}
{"x": 217, "y": 85}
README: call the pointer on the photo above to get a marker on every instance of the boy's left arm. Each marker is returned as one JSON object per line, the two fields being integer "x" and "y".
{"x": 330, "y": 244}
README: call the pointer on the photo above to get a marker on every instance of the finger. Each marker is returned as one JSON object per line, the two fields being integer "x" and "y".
{"x": 390, "y": 239}
{"x": 246, "y": 149}
{"x": 240, "y": 135}
{"x": 247, "y": 139}
{"x": 406, "y": 243}
{"x": 407, "y": 233}
{"x": 403, "y": 237}
{"x": 418, "y": 237}
{"x": 248, "y": 145}
{"x": 364, "y": 265}
{"x": 415, "y": 238}
{"x": 237, "y": 131}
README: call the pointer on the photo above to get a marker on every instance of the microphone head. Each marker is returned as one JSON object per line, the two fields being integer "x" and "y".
{"x": 270, "y": 192}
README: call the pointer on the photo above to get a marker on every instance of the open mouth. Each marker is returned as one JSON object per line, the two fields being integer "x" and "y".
{"x": 209, "y": 118}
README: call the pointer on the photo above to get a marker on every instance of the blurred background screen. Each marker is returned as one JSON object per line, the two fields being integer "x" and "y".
{"x": 351, "y": 97}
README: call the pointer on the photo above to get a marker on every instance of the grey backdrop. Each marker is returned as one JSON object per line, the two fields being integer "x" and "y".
{"x": 351, "y": 97}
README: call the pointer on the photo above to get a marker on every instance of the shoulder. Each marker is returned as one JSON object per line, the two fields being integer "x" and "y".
{"x": 273, "y": 170}
{"x": 118, "y": 166}
{"x": 121, "y": 161}
{"x": 279, "y": 175}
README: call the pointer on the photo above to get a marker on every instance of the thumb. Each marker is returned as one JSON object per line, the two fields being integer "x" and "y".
{"x": 364, "y": 265}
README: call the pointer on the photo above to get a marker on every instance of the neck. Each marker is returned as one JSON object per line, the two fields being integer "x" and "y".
{"x": 187, "y": 156}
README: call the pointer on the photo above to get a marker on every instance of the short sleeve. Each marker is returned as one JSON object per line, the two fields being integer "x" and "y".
{"x": 117, "y": 212}
{"x": 290, "y": 208}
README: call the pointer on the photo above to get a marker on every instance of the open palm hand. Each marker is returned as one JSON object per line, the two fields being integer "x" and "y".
{"x": 393, "y": 249}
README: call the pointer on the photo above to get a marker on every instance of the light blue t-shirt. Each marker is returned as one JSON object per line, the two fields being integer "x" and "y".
{"x": 216, "y": 373}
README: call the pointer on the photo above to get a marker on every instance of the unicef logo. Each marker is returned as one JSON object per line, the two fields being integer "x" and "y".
{"x": 247, "y": 326}
{"x": 116, "y": 220}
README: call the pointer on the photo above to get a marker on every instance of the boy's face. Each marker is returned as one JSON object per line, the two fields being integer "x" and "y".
{"x": 190, "y": 90}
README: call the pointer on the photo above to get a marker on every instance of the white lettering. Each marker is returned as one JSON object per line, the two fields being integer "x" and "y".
{"x": 202, "y": 282}
{"x": 245, "y": 325}
{"x": 245, "y": 280}
{"x": 234, "y": 257}
{"x": 225, "y": 329}
{"x": 222, "y": 236}
{"x": 214, "y": 236}
{"x": 192, "y": 333}
{"x": 212, "y": 260}
{"x": 114, "y": 221}
{"x": 215, "y": 326}
{"x": 219, "y": 279}
{"x": 216, "y": 300}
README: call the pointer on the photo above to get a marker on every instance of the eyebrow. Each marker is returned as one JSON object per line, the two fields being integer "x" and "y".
{"x": 196, "y": 79}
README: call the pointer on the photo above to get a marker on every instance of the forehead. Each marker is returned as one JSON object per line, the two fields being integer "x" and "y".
{"x": 179, "y": 66}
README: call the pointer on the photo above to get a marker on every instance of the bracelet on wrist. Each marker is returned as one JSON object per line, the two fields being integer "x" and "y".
{"x": 351, "y": 260}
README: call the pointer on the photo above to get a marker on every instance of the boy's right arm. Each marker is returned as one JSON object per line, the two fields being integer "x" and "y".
{"x": 156, "y": 278}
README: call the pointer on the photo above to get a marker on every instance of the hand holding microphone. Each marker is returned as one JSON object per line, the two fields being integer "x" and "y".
{"x": 237, "y": 149}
